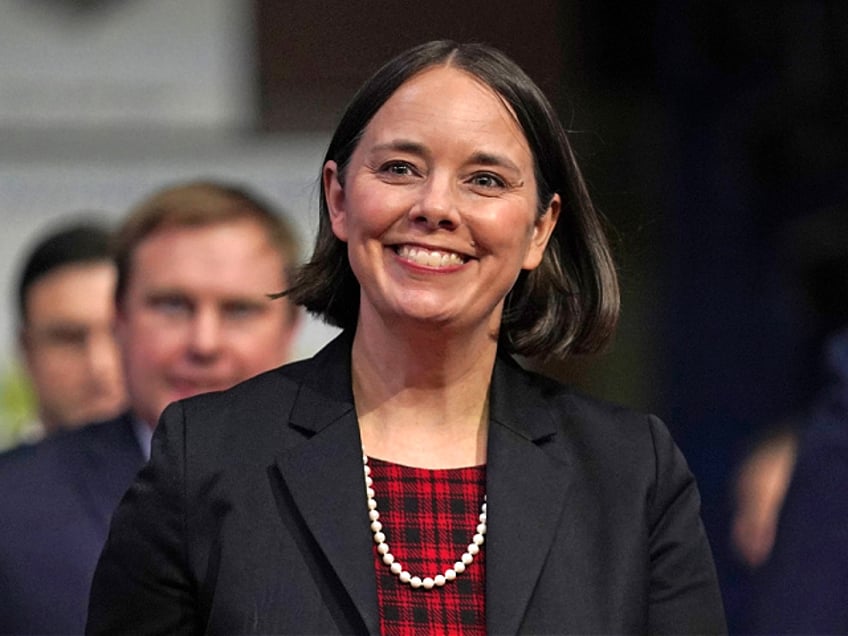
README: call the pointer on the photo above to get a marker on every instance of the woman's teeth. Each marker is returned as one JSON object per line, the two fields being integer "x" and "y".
{"x": 429, "y": 258}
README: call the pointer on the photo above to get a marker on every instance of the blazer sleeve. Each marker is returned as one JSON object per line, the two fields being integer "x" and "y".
{"x": 684, "y": 596}
{"x": 142, "y": 583}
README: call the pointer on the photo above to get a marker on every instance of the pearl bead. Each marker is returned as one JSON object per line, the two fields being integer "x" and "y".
{"x": 388, "y": 558}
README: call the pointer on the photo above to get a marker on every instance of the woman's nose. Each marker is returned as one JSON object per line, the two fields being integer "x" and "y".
{"x": 438, "y": 204}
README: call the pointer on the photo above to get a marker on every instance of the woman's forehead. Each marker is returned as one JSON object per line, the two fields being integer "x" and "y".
{"x": 445, "y": 96}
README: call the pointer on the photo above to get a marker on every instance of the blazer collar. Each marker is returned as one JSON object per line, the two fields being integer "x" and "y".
{"x": 518, "y": 401}
{"x": 527, "y": 483}
{"x": 517, "y": 397}
{"x": 326, "y": 391}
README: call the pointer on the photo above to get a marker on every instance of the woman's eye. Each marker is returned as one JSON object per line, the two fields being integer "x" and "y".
{"x": 399, "y": 168}
{"x": 487, "y": 180}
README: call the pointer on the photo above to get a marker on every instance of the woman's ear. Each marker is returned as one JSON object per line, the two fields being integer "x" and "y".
{"x": 334, "y": 193}
{"x": 542, "y": 230}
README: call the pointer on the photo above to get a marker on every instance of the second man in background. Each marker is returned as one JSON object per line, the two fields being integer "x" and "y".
{"x": 196, "y": 264}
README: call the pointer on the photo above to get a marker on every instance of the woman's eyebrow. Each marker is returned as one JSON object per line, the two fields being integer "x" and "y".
{"x": 401, "y": 145}
{"x": 491, "y": 159}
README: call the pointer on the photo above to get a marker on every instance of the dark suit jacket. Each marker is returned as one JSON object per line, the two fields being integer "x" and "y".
{"x": 251, "y": 516}
{"x": 56, "y": 499}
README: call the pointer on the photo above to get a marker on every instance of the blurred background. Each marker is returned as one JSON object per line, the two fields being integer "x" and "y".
{"x": 713, "y": 136}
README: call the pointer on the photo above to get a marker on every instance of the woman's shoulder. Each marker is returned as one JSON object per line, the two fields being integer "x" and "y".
{"x": 580, "y": 427}
{"x": 624, "y": 455}
{"x": 257, "y": 412}
{"x": 326, "y": 372}
{"x": 259, "y": 391}
{"x": 571, "y": 406}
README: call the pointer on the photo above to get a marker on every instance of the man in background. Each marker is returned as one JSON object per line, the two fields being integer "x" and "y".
{"x": 195, "y": 263}
{"x": 66, "y": 309}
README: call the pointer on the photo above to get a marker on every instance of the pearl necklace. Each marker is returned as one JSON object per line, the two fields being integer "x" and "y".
{"x": 396, "y": 568}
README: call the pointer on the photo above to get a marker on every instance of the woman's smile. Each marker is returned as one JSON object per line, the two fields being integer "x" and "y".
{"x": 430, "y": 258}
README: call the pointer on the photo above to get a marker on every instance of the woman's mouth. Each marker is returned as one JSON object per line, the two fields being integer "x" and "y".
{"x": 429, "y": 258}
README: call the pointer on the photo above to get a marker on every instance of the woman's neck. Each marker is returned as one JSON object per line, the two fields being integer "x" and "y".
{"x": 422, "y": 397}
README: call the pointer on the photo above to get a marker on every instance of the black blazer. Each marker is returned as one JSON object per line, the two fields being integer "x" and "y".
{"x": 251, "y": 516}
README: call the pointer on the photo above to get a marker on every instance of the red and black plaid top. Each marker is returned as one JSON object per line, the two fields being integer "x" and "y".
{"x": 429, "y": 518}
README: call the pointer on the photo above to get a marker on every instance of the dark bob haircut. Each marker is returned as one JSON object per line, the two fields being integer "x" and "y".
{"x": 570, "y": 303}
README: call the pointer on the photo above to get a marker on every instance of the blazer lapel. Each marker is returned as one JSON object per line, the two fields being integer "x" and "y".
{"x": 526, "y": 493}
{"x": 324, "y": 476}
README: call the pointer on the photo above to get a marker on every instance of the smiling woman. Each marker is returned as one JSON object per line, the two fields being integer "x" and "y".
{"x": 442, "y": 173}
{"x": 411, "y": 477}
{"x": 569, "y": 304}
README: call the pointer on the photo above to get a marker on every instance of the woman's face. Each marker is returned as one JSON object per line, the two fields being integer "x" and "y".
{"x": 439, "y": 204}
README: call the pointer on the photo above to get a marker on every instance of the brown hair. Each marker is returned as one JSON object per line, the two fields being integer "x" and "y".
{"x": 198, "y": 203}
{"x": 570, "y": 303}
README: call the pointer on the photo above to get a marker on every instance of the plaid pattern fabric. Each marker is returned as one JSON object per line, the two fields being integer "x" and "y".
{"x": 429, "y": 517}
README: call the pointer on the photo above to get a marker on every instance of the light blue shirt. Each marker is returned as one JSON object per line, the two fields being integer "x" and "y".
{"x": 144, "y": 435}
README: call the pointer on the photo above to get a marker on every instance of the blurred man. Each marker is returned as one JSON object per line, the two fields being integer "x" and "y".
{"x": 802, "y": 588}
{"x": 66, "y": 309}
{"x": 195, "y": 266}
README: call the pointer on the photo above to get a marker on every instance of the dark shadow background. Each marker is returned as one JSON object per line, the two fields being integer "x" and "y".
{"x": 705, "y": 129}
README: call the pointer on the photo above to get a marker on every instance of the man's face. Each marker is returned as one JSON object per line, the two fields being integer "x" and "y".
{"x": 195, "y": 316}
{"x": 69, "y": 346}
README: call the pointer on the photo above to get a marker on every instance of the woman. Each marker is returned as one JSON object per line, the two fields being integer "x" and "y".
{"x": 455, "y": 229}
